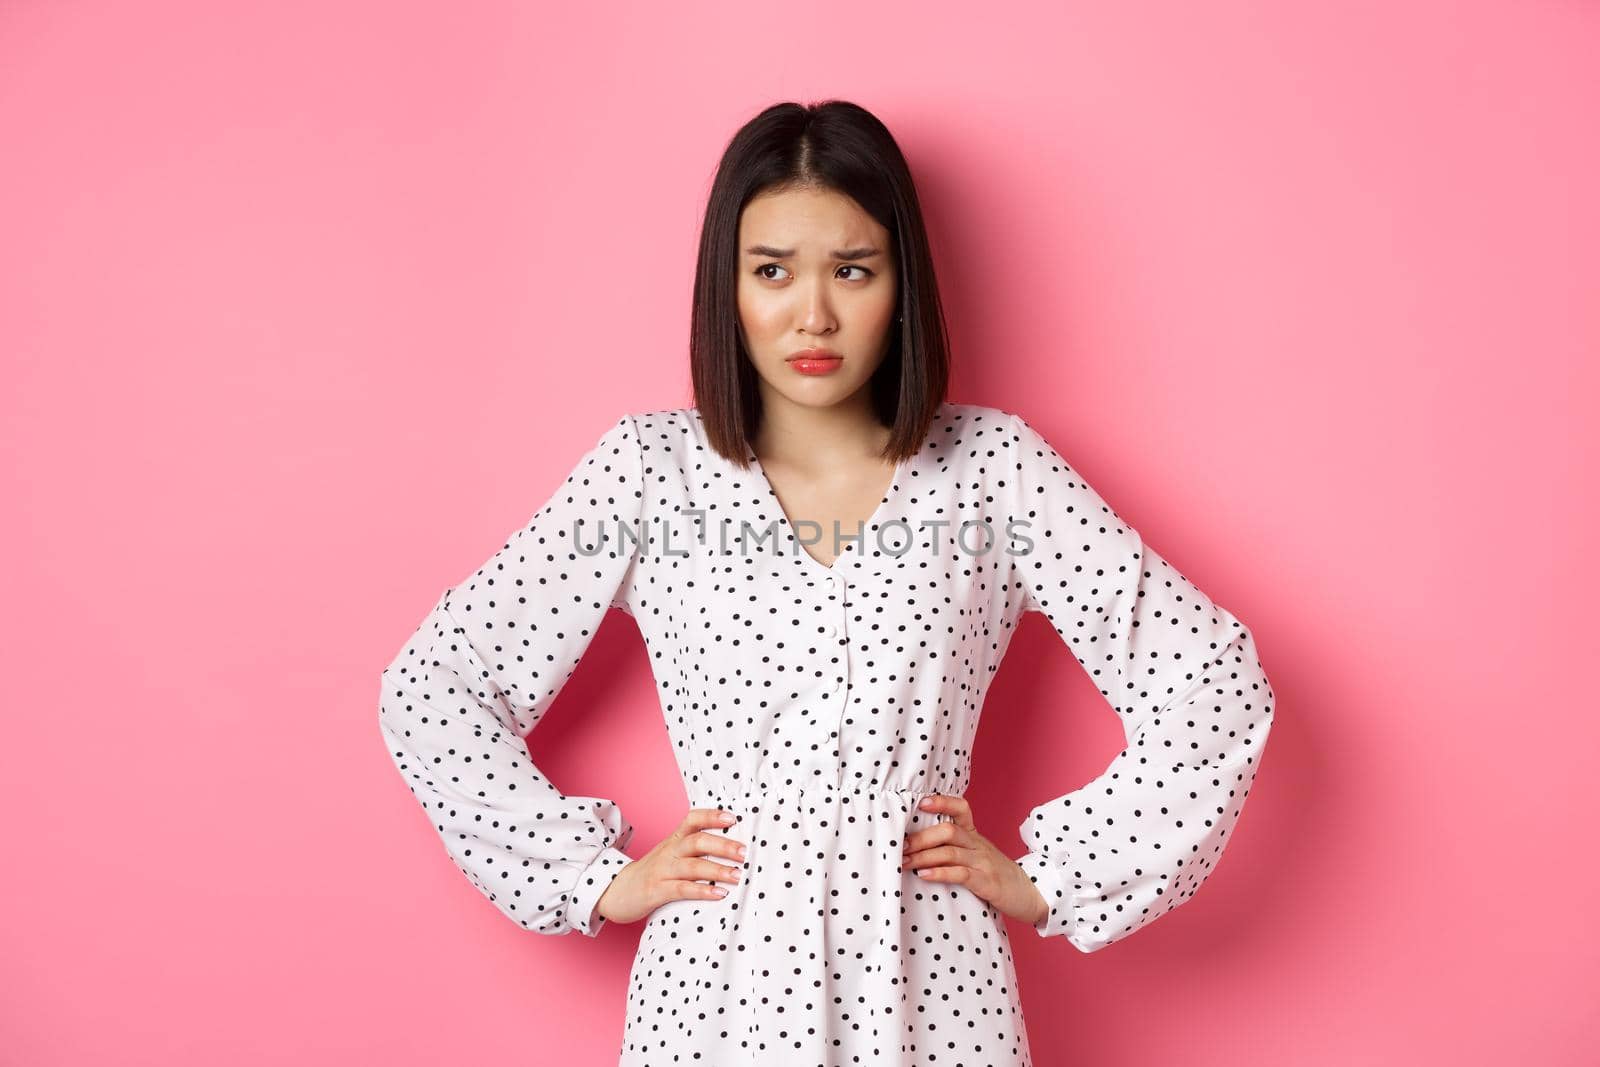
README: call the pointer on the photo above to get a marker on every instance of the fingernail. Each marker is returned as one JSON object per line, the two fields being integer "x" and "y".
{"x": 720, "y": 890}
{"x": 726, "y": 816}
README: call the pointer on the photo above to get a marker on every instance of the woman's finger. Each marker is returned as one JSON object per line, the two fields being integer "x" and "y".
{"x": 946, "y": 833}
{"x": 958, "y": 875}
{"x": 949, "y": 804}
{"x": 687, "y": 890}
{"x": 705, "y": 843}
{"x": 705, "y": 870}
{"x": 937, "y": 856}
{"x": 705, "y": 819}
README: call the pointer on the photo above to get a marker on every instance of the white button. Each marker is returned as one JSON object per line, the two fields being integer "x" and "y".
{"x": 833, "y": 581}
{"x": 830, "y": 630}
{"x": 838, "y": 684}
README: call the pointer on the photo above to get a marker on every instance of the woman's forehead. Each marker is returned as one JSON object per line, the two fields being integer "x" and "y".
{"x": 808, "y": 221}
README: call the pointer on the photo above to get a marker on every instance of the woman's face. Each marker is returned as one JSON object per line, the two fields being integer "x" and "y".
{"x": 815, "y": 271}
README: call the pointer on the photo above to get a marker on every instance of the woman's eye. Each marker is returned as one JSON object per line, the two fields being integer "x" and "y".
{"x": 761, "y": 271}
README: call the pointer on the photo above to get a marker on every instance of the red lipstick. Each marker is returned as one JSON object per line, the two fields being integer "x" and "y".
{"x": 815, "y": 360}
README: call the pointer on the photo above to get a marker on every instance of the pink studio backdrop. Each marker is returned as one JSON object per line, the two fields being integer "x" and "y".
{"x": 305, "y": 307}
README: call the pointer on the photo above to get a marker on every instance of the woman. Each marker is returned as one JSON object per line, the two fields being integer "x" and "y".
{"x": 827, "y": 560}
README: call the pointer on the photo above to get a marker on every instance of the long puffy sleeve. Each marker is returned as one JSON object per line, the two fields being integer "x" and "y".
{"x": 481, "y": 670}
{"x": 1183, "y": 675}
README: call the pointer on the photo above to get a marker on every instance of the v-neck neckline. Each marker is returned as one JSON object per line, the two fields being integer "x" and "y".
{"x": 852, "y": 546}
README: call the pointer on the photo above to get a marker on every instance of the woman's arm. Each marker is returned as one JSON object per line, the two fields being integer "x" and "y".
{"x": 1183, "y": 675}
{"x": 480, "y": 671}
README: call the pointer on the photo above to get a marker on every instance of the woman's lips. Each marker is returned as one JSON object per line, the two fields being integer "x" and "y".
{"x": 816, "y": 365}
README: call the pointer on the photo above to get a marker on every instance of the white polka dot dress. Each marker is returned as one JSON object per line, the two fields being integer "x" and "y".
{"x": 820, "y": 704}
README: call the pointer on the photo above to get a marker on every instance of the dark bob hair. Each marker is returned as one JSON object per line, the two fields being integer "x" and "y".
{"x": 840, "y": 146}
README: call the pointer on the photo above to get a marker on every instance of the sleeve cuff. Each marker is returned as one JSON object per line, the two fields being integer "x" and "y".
{"x": 592, "y": 884}
{"x": 1052, "y": 884}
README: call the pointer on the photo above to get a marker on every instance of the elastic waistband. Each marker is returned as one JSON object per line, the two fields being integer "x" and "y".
{"x": 712, "y": 796}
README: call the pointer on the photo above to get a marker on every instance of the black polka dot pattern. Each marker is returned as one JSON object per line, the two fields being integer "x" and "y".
{"x": 1182, "y": 674}
{"x": 820, "y": 704}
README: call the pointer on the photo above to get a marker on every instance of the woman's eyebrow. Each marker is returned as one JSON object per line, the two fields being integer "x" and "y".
{"x": 784, "y": 253}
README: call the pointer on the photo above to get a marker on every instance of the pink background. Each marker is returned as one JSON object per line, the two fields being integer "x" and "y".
{"x": 304, "y": 307}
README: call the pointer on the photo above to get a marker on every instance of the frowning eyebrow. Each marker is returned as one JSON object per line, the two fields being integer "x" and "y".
{"x": 768, "y": 252}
